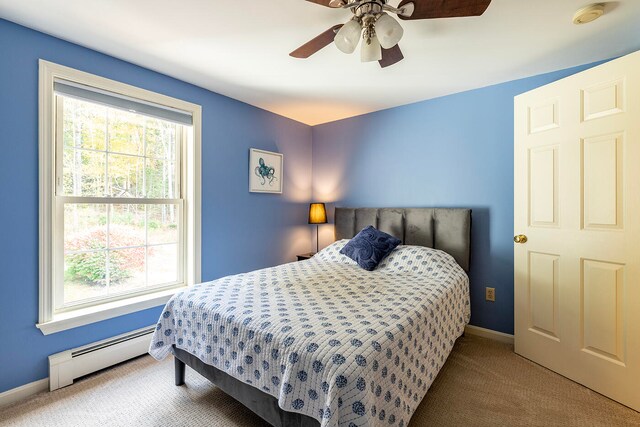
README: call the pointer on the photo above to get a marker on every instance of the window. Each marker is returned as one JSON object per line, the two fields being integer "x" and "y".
{"x": 119, "y": 197}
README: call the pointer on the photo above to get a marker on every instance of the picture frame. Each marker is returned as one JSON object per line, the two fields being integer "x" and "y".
{"x": 265, "y": 171}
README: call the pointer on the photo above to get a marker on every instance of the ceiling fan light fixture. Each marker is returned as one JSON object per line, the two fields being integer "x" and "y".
{"x": 371, "y": 50}
{"x": 371, "y": 21}
{"x": 407, "y": 10}
{"x": 389, "y": 31}
{"x": 348, "y": 36}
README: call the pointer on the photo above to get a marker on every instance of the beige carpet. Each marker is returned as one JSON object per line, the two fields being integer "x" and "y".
{"x": 482, "y": 384}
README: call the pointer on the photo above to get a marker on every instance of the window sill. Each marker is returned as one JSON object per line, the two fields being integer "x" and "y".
{"x": 85, "y": 316}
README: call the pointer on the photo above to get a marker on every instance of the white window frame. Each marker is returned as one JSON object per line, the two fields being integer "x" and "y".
{"x": 49, "y": 321}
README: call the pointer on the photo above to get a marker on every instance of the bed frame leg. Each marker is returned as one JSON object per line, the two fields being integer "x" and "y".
{"x": 179, "y": 371}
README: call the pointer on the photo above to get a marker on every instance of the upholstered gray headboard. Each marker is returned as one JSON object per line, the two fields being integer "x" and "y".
{"x": 447, "y": 229}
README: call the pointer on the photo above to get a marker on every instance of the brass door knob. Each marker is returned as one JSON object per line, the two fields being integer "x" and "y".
{"x": 520, "y": 238}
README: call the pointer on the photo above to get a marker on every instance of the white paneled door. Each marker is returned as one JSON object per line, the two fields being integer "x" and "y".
{"x": 577, "y": 227}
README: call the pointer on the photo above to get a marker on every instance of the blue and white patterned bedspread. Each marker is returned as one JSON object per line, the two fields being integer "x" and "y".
{"x": 328, "y": 339}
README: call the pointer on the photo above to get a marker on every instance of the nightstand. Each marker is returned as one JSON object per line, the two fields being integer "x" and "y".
{"x": 302, "y": 257}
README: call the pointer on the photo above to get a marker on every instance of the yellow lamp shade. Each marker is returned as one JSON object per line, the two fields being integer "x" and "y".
{"x": 317, "y": 213}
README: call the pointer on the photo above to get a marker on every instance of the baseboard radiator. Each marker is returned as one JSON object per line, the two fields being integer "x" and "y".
{"x": 65, "y": 367}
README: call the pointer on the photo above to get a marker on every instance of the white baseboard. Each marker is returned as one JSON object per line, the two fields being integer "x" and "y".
{"x": 19, "y": 393}
{"x": 489, "y": 333}
{"x": 68, "y": 365}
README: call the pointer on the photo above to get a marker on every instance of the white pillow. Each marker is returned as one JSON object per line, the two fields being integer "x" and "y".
{"x": 408, "y": 259}
{"x": 332, "y": 253}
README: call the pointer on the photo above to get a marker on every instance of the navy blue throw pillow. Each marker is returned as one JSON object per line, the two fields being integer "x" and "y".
{"x": 369, "y": 247}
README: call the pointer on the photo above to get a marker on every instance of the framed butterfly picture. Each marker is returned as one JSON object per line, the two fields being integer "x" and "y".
{"x": 265, "y": 171}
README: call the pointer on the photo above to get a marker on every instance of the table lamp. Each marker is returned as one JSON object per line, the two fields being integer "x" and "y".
{"x": 317, "y": 215}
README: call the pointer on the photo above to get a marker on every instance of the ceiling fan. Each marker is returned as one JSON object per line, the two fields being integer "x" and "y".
{"x": 381, "y": 33}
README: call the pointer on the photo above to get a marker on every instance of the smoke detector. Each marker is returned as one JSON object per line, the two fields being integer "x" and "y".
{"x": 588, "y": 13}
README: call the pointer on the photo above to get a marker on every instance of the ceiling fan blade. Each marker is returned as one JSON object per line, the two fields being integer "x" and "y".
{"x": 391, "y": 56}
{"x": 431, "y": 9}
{"x": 314, "y": 45}
{"x": 328, "y": 3}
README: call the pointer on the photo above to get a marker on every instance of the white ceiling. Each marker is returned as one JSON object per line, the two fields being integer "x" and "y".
{"x": 240, "y": 48}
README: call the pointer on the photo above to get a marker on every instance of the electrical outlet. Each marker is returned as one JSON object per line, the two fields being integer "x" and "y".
{"x": 490, "y": 294}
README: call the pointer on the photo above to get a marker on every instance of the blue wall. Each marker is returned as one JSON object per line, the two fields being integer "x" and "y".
{"x": 454, "y": 151}
{"x": 240, "y": 231}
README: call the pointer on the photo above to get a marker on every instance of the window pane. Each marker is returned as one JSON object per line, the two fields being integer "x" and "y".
{"x": 110, "y": 249}
{"x": 161, "y": 139}
{"x": 83, "y": 173}
{"x": 126, "y": 176}
{"x": 85, "y": 238}
{"x": 161, "y": 179}
{"x": 163, "y": 264}
{"x": 84, "y": 275}
{"x": 162, "y": 224}
{"x": 84, "y": 124}
{"x": 85, "y": 227}
{"x": 127, "y": 226}
{"x": 126, "y": 132}
{"x": 126, "y": 270}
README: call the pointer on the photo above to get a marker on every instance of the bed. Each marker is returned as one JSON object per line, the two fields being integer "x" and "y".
{"x": 323, "y": 342}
